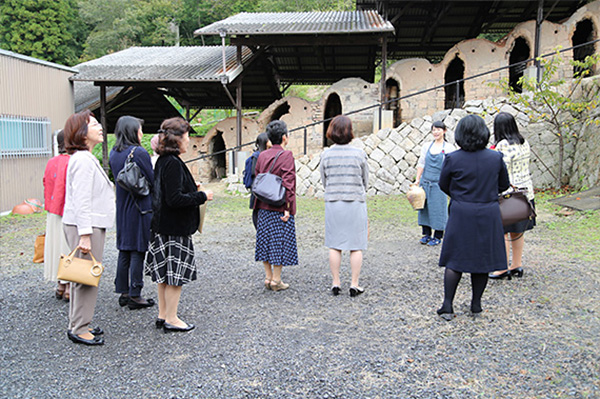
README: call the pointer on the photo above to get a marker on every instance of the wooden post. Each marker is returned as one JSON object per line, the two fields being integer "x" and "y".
{"x": 104, "y": 128}
{"x": 383, "y": 75}
{"x": 538, "y": 37}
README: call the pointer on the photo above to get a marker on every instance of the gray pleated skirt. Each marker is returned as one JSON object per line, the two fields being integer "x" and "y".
{"x": 346, "y": 225}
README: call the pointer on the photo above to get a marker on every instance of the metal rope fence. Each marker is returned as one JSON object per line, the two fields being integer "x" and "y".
{"x": 380, "y": 105}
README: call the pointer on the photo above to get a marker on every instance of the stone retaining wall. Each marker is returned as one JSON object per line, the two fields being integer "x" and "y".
{"x": 393, "y": 153}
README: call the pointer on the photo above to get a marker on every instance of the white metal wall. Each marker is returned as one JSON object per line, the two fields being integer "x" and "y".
{"x": 30, "y": 90}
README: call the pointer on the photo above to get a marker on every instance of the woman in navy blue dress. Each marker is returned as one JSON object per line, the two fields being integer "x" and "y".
{"x": 134, "y": 214}
{"x": 473, "y": 177}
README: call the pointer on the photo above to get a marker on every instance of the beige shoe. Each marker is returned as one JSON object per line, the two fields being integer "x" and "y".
{"x": 267, "y": 284}
{"x": 279, "y": 285}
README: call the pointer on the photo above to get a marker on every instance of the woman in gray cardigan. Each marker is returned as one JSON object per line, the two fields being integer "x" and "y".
{"x": 345, "y": 174}
{"x": 89, "y": 211}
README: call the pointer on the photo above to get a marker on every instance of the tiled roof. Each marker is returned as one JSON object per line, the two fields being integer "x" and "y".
{"x": 298, "y": 23}
{"x": 169, "y": 64}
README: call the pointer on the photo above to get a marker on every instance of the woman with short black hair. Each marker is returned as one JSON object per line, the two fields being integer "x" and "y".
{"x": 262, "y": 143}
{"x": 472, "y": 176}
{"x": 170, "y": 259}
{"x": 516, "y": 152}
{"x": 276, "y": 229}
{"x": 134, "y": 214}
{"x": 345, "y": 175}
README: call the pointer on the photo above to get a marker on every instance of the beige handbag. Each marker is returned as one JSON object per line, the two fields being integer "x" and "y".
{"x": 38, "y": 249}
{"x": 78, "y": 270}
{"x": 416, "y": 197}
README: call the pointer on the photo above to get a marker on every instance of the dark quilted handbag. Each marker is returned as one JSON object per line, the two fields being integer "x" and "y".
{"x": 515, "y": 207}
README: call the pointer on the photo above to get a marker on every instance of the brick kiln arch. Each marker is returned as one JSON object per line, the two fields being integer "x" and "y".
{"x": 392, "y": 88}
{"x": 333, "y": 107}
{"x": 585, "y": 31}
{"x": 520, "y": 51}
{"x": 454, "y": 71}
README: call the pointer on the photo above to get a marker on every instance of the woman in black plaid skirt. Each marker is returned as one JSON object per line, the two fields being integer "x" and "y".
{"x": 170, "y": 258}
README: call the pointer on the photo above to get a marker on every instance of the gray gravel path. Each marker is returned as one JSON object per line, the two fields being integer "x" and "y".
{"x": 537, "y": 338}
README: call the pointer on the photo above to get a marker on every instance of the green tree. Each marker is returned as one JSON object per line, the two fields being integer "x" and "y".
{"x": 561, "y": 102}
{"x": 116, "y": 24}
{"x": 47, "y": 29}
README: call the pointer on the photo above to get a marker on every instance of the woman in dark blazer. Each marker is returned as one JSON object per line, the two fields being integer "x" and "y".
{"x": 134, "y": 214}
{"x": 276, "y": 228}
{"x": 170, "y": 258}
{"x": 473, "y": 177}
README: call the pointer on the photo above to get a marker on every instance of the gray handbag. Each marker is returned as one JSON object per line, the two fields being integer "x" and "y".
{"x": 132, "y": 179}
{"x": 267, "y": 187}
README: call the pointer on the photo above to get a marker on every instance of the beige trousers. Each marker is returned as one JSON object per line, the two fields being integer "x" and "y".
{"x": 83, "y": 297}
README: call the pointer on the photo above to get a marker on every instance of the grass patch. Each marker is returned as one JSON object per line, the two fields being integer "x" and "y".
{"x": 576, "y": 236}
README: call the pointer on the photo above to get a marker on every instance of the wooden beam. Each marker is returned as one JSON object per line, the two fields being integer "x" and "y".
{"x": 307, "y": 40}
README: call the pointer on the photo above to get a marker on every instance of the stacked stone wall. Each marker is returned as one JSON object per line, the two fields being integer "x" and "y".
{"x": 393, "y": 153}
{"x": 586, "y": 163}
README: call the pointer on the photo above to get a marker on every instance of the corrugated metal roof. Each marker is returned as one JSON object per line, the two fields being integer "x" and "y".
{"x": 36, "y": 60}
{"x": 298, "y": 23}
{"x": 170, "y": 64}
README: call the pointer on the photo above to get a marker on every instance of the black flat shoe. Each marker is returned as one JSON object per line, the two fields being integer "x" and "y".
{"x": 171, "y": 328}
{"x": 78, "y": 340}
{"x": 445, "y": 313}
{"x": 139, "y": 302}
{"x": 335, "y": 290}
{"x": 123, "y": 299}
{"x": 356, "y": 291}
{"x": 97, "y": 331}
{"x": 160, "y": 323}
{"x": 517, "y": 272}
{"x": 500, "y": 276}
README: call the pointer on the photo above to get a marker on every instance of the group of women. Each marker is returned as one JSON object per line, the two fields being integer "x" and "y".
{"x": 476, "y": 241}
{"x": 154, "y": 231}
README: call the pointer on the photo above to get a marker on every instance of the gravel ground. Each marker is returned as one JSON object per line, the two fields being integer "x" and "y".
{"x": 537, "y": 337}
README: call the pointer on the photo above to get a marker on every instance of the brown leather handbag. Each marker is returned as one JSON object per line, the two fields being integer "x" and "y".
{"x": 78, "y": 270}
{"x": 515, "y": 207}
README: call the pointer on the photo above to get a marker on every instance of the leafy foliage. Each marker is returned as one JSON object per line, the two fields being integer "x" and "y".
{"x": 559, "y": 101}
{"x": 47, "y": 29}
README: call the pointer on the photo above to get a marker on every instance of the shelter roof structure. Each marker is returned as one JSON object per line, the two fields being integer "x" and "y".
{"x": 429, "y": 28}
{"x": 309, "y": 47}
{"x": 138, "y": 79}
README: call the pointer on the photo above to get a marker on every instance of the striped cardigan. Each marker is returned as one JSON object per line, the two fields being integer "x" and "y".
{"x": 344, "y": 173}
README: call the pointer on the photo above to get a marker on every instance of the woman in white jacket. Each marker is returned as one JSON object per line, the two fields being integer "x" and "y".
{"x": 89, "y": 211}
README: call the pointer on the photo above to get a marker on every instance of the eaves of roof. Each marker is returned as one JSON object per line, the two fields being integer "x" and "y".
{"x": 300, "y": 23}
{"x": 164, "y": 64}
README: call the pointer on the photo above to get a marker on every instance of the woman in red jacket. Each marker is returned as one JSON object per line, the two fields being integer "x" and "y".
{"x": 276, "y": 229}
{"x": 55, "y": 177}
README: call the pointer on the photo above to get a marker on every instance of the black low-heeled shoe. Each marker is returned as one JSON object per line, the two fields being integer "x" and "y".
{"x": 356, "y": 291}
{"x": 500, "y": 276}
{"x": 335, "y": 290}
{"x": 160, "y": 323}
{"x": 446, "y": 314}
{"x": 91, "y": 342}
{"x": 172, "y": 328}
{"x": 139, "y": 302}
{"x": 517, "y": 272}
{"x": 97, "y": 331}
{"x": 123, "y": 299}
